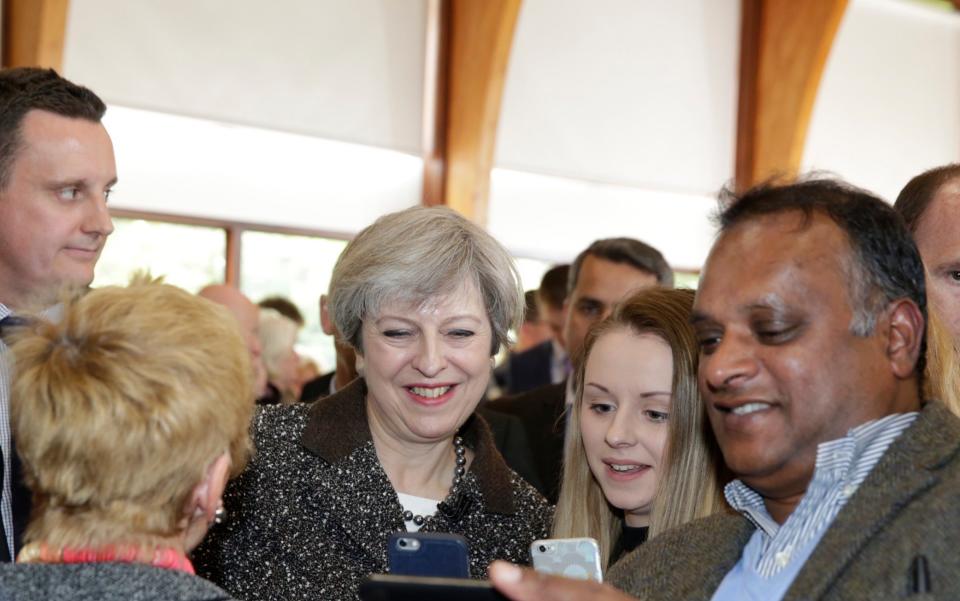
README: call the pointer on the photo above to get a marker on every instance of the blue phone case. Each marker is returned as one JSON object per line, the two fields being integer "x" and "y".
{"x": 428, "y": 554}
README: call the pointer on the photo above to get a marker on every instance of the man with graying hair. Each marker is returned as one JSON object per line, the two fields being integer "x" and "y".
{"x": 810, "y": 316}
{"x": 56, "y": 172}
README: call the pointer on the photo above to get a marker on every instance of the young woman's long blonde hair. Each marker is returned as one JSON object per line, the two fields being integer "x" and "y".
{"x": 942, "y": 378}
{"x": 690, "y": 480}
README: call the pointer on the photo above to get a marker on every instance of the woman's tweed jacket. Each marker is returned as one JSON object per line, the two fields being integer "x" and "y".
{"x": 907, "y": 508}
{"x": 103, "y": 582}
{"x": 310, "y": 517}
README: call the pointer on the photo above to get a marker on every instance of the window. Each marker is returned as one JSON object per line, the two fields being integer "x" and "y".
{"x": 298, "y": 268}
{"x": 189, "y": 256}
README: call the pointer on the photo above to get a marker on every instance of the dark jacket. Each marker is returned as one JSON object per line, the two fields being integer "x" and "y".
{"x": 103, "y": 582}
{"x": 527, "y": 370}
{"x": 906, "y": 508}
{"x": 311, "y": 515}
{"x": 317, "y": 388}
{"x": 542, "y": 413}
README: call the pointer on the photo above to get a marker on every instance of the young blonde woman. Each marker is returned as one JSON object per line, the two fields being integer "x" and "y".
{"x": 639, "y": 458}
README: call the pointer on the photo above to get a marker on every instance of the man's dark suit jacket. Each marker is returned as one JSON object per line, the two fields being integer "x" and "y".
{"x": 542, "y": 412}
{"x": 527, "y": 370}
{"x": 317, "y": 388}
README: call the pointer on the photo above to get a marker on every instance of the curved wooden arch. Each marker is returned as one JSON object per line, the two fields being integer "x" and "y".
{"x": 784, "y": 48}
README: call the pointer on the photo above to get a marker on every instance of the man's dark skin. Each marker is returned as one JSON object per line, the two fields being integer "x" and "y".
{"x": 773, "y": 315}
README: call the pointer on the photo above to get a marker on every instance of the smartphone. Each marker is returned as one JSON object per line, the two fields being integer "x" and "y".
{"x": 570, "y": 557}
{"x": 428, "y": 554}
{"x": 388, "y": 587}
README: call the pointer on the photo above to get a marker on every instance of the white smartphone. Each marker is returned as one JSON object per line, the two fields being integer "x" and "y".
{"x": 570, "y": 557}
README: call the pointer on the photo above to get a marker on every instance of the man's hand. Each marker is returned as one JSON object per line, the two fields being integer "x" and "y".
{"x": 527, "y": 585}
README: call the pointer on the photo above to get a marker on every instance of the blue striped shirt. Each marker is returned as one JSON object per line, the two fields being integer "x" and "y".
{"x": 775, "y": 553}
{"x": 6, "y": 499}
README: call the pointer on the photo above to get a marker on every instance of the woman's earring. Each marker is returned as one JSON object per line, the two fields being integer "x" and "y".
{"x": 220, "y": 515}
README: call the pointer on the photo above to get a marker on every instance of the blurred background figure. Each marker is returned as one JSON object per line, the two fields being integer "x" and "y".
{"x": 130, "y": 414}
{"x": 285, "y": 307}
{"x": 278, "y": 336}
{"x": 539, "y": 358}
{"x": 247, "y": 316}
{"x": 551, "y": 296}
{"x": 345, "y": 370}
{"x": 533, "y": 331}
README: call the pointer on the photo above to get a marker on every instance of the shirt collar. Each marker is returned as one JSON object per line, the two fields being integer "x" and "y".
{"x": 848, "y": 459}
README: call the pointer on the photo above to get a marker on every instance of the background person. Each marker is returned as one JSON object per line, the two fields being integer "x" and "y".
{"x": 640, "y": 459}
{"x": 56, "y": 172}
{"x": 425, "y": 297}
{"x": 130, "y": 415}
{"x": 278, "y": 335}
{"x": 247, "y": 316}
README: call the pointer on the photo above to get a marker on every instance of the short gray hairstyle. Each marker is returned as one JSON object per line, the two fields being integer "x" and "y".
{"x": 414, "y": 255}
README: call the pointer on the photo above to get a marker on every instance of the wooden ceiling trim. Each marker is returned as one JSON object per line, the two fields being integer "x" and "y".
{"x": 34, "y": 32}
{"x": 435, "y": 99}
{"x": 478, "y": 39}
{"x": 784, "y": 48}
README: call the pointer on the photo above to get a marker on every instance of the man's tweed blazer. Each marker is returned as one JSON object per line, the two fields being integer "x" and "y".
{"x": 103, "y": 582}
{"x": 907, "y": 508}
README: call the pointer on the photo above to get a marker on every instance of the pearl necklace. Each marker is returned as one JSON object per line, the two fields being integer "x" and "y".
{"x": 458, "y": 472}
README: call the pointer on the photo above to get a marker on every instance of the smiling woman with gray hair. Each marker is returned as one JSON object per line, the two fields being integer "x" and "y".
{"x": 426, "y": 298}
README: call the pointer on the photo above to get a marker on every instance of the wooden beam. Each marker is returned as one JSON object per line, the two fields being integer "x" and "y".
{"x": 480, "y": 35}
{"x": 231, "y": 274}
{"x": 784, "y": 48}
{"x": 435, "y": 100}
{"x": 33, "y": 33}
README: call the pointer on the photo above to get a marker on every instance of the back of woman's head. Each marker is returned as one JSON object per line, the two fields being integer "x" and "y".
{"x": 119, "y": 408}
{"x": 687, "y": 486}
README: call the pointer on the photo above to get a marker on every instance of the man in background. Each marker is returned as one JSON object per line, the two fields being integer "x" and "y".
{"x": 285, "y": 307}
{"x": 546, "y": 362}
{"x": 247, "y": 315}
{"x": 930, "y": 205}
{"x": 345, "y": 370}
{"x": 57, "y": 169}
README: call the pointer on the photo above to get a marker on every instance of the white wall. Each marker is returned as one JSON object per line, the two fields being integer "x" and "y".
{"x": 888, "y": 107}
{"x": 349, "y": 70}
{"x": 186, "y": 166}
{"x": 632, "y": 106}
